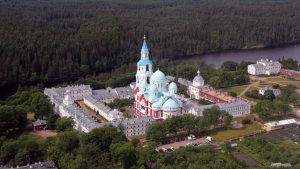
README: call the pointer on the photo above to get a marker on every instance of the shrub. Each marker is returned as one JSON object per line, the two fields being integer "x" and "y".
{"x": 246, "y": 121}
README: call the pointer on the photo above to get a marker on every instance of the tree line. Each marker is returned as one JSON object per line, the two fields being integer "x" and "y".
{"x": 187, "y": 124}
{"x": 106, "y": 147}
{"x": 280, "y": 105}
{"x": 270, "y": 152}
{"x": 13, "y": 111}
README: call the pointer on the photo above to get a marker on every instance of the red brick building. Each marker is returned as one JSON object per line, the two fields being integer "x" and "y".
{"x": 290, "y": 74}
{"x": 39, "y": 125}
{"x": 215, "y": 95}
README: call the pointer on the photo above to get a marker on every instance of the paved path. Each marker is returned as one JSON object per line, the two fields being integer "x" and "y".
{"x": 247, "y": 159}
{"x": 255, "y": 84}
{"x": 184, "y": 143}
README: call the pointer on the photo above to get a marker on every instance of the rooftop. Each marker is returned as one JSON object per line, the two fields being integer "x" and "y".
{"x": 218, "y": 94}
{"x": 39, "y": 122}
{"x": 184, "y": 82}
{"x": 282, "y": 122}
{"x": 39, "y": 165}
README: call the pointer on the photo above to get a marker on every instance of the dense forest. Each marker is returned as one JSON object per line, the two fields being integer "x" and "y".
{"x": 54, "y": 41}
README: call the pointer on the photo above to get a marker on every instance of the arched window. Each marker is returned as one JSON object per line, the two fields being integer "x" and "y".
{"x": 147, "y": 67}
{"x": 148, "y": 81}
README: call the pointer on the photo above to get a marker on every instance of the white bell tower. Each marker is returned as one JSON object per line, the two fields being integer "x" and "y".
{"x": 144, "y": 66}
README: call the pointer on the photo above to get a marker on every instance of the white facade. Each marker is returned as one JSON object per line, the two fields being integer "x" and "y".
{"x": 83, "y": 121}
{"x": 64, "y": 105}
{"x": 236, "y": 108}
{"x": 63, "y": 100}
{"x": 136, "y": 126}
{"x": 195, "y": 87}
{"x": 264, "y": 67}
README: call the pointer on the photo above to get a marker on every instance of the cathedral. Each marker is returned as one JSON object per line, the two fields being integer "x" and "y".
{"x": 153, "y": 95}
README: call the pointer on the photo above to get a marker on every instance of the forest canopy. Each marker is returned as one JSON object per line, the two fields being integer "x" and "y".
{"x": 62, "y": 40}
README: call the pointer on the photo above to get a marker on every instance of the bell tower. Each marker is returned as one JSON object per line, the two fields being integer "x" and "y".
{"x": 144, "y": 66}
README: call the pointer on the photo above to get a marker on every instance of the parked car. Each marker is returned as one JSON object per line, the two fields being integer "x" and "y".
{"x": 169, "y": 149}
{"x": 195, "y": 144}
{"x": 191, "y": 137}
{"x": 161, "y": 150}
{"x": 164, "y": 149}
{"x": 210, "y": 139}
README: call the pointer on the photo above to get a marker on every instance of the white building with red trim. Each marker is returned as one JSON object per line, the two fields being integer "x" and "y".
{"x": 153, "y": 95}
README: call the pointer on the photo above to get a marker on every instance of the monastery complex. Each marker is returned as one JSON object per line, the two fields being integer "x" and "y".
{"x": 155, "y": 99}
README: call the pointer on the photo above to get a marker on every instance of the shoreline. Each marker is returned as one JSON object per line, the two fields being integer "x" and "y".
{"x": 249, "y": 49}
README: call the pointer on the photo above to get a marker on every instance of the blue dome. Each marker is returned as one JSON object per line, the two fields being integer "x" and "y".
{"x": 170, "y": 104}
{"x": 143, "y": 62}
{"x": 158, "y": 76}
{"x": 156, "y": 105}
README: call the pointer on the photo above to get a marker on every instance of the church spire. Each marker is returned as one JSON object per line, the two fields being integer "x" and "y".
{"x": 145, "y": 46}
{"x": 145, "y": 51}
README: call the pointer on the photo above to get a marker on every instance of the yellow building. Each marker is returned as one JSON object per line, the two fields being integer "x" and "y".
{"x": 279, "y": 124}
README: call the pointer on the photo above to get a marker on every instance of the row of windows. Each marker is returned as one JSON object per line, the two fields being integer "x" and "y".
{"x": 237, "y": 108}
{"x": 134, "y": 134}
{"x": 148, "y": 79}
{"x": 142, "y": 68}
{"x": 127, "y": 131}
{"x": 142, "y": 125}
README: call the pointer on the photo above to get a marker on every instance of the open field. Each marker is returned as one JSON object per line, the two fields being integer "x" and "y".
{"x": 44, "y": 133}
{"x": 276, "y": 79}
{"x": 282, "y": 81}
{"x": 257, "y": 82}
{"x": 296, "y": 83}
{"x": 228, "y": 134}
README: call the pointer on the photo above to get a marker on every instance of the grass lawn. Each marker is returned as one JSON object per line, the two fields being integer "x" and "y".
{"x": 251, "y": 99}
{"x": 235, "y": 89}
{"x": 296, "y": 83}
{"x": 227, "y": 134}
{"x": 291, "y": 146}
{"x": 283, "y": 81}
{"x": 276, "y": 78}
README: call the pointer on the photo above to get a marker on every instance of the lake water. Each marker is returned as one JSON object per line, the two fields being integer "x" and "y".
{"x": 292, "y": 51}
